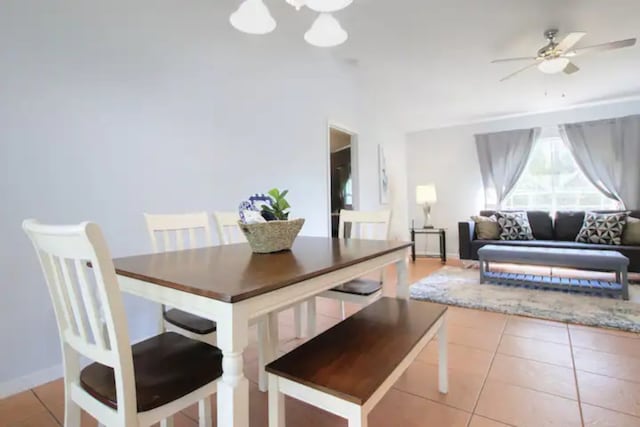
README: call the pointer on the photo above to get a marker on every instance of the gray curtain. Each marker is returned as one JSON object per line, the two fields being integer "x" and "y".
{"x": 503, "y": 156}
{"x": 608, "y": 153}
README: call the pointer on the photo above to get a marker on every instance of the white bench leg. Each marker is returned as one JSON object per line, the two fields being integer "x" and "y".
{"x": 205, "y": 419}
{"x": 343, "y": 310}
{"x": 264, "y": 352}
{"x": 311, "y": 317}
{"x": 359, "y": 420}
{"x": 443, "y": 370}
{"x": 276, "y": 403}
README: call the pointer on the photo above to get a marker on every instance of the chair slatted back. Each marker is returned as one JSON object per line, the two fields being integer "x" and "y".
{"x": 365, "y": 225}
{"x": 227, "y": 226}
{"x": 178, "y": 231}
{"x": 87, "y": 302}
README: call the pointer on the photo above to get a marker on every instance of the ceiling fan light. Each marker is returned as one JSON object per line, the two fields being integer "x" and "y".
{"x": 296, "y": 3}
{"x": 553, "y": 66}
{"x": 327, "y": 6}
{"x": 253, "y": 17}
{"x": 326, "y": 32}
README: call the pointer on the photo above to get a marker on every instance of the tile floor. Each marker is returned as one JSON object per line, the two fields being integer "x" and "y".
{"x": 504, "y": 371}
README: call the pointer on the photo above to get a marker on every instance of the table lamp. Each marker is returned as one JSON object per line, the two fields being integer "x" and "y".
{"x": 426, "y": 196}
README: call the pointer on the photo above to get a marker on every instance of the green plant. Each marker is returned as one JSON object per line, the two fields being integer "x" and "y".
{"x": 279, "y": 205}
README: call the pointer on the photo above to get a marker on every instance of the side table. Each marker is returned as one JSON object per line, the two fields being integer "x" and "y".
{"x": 441, "y": 232}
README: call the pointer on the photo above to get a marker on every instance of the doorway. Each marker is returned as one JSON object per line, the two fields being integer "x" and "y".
{"x": 342, "y": 173}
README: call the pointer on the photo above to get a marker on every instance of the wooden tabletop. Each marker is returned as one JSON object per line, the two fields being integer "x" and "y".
{"x": 353, "y": 359}
{"x": 233, "y": 273}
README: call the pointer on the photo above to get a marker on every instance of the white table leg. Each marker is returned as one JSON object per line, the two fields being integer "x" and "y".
{"x": 443, "y": 370}
{"x": 299, "y": 315}
{"x": 402, "y": 289}
{"x": 311, "y": 317}
{"x": 204, "y": 413}
{"x": 167, "y": 422}
{"x": 264, "y": 352}
{"x": 233, "y": 389}
{"x": 276, "y": 403}
{"x": 360, "y": 420}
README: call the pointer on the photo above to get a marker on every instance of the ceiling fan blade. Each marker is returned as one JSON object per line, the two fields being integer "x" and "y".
{"x": 571, "y": 68}
{"x": 522, "y": 58}
{"x": 519, "y": 71}
{"x": 569, "y": 41}
{"x": 601, "y": 47}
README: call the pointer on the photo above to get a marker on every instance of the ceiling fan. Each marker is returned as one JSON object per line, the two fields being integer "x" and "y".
{"x": 556, "y": 56}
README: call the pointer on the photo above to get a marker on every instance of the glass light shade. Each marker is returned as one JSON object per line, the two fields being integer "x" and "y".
{"x": 553, "y": 66}
{"x": 253, "y": 17}
{"x": 327, "y": 5}
{"x": 426, "y": 194}
{"x": 296, "y": 3}
{"x": 326, "y": 32}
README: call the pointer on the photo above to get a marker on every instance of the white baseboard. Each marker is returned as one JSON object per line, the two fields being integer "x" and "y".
{"x": 31, "y": 380}
{"x": 437, "y": 254}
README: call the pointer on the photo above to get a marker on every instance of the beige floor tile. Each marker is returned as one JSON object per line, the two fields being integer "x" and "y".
{"x": 608, "y": 343}
{"x": 610, "y": 393}
{"x": 462, "y": 358}
{"x": 529, "y": 328}
{"x": 611, "y": 365}
{"x": 599, "y": 417}
{"x": 478, "y": 421}
{"x": 616, "y": 332}
{"x": 523, "y": 407}
{"x": 19, "y": 407}
{"x": 39, "y": 419}
{"x": 534, "y": 375}
{"x": 476, "y": 338}
{"x": 476, "y": 319}
{"x": 421, "y": 379}
{"x": 402, "y": 409}
{"x": 540, "y": 351}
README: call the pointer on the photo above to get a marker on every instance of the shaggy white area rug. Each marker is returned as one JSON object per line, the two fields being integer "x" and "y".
{"x": 461, "y": 287}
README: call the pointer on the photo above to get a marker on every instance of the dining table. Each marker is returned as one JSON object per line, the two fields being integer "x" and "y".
{"x": 232, "y": 286}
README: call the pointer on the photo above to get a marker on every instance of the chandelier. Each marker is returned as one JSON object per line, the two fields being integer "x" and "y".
{"x": 253, "y": 17}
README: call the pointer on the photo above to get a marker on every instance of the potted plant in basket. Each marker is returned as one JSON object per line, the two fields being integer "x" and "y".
{"x": 265, "y": 222}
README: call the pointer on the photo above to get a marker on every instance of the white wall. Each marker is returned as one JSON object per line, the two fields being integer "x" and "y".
{"x": 448, "y": 158}
{"x": 112, "y": 109}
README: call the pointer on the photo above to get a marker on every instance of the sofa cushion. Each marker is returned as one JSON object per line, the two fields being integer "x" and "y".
{"x": 631, "y": 234}
{"x": 540, "y": 222}
{"x": 487, "y": 228}
{"x": 568, "y": 225}
{"x": 603, "y": 228}
{"x": 514, "y": 226}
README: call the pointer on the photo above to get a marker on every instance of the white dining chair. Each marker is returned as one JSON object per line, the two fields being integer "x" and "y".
{"x": 372, "y": 225}
{"x": 125, "y": 386}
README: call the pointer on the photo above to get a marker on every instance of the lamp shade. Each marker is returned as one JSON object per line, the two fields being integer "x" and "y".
{"x": 327, "y": 5}
{"x": 253, "y": 17}
{"x": 426, "y": 194}
{"x": 326, "y": 32}
{"x": 553, "y": 66}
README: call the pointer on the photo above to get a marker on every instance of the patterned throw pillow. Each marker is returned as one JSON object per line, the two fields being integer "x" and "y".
{"x": 514, "y": 226}
{"x": 603, "y": 228}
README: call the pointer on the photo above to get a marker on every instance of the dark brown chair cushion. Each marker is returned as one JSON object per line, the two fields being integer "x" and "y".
{"x": 364, "y": 287}
{"x": 190, "y": 322}
{"x": 167, "y": 367}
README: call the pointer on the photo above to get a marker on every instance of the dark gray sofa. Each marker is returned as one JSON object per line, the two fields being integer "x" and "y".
{"x": 557, "y": 232}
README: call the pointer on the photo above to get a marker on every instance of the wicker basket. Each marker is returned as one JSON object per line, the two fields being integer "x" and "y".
{"x": 272, "y": 236}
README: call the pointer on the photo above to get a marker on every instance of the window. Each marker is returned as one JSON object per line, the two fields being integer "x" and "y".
{"x": 552, "y": 181}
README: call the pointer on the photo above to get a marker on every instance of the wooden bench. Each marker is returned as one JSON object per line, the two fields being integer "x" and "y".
{"x": 349, "y": 368}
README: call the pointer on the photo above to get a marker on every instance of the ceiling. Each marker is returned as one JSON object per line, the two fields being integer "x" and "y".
{"x": 429, "y": 61}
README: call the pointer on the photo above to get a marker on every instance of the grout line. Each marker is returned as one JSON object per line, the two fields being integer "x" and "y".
{"x": 486, "y": 377}
{"x": 46, "y": 408}
{"x": 575, "y": 377}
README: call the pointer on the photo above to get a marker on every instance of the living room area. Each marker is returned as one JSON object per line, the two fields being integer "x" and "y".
{"x": 327, "y": 213}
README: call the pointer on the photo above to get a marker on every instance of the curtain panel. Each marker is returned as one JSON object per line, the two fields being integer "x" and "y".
{"x": 503, "y": 157}
{"x": 608, "y": 153}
